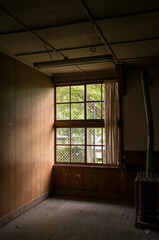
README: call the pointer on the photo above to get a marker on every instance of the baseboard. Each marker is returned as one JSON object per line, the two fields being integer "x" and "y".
{"x": 6, "y": 219}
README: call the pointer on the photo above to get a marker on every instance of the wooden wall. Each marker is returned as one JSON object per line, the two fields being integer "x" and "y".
{"x": 97, "y": 182}
{"x": 26, "y": 134}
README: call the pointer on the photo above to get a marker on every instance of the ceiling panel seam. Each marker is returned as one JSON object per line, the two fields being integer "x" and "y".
{"x": 143, "y": 57}
{"x": 78, "y": 22}
{"x": 88, "y": 46}
{"x": 61, "y": 49}
{"x": 134, "y": 41}
{"x": 30, "y": 31}
{"x": 98, "y": 30}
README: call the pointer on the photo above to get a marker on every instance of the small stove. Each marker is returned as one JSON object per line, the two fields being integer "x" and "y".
{"x": 146, "y": 201}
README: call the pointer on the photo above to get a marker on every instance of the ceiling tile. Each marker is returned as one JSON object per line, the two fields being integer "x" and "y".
{"x": 7, "y": 24}
{"x": 136, "y": 50}
{"x": 62, "y": 70}
{"x": 85, "y": 52}
{"x": 130, "y": 28}
{"x": 21, "y": 42}
{"x": 40, "y": 57}
{"x": 71, "y": 36}
{"x": 97, "y": 67}
{"x": 40, "y": 13}
{"x": 110, "y": 8}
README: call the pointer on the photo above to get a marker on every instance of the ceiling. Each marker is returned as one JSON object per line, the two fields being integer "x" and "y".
{"x": 38, "y": 31}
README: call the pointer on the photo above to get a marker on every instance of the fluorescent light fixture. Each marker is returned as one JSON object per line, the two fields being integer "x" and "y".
{"x": 74, "y": 61}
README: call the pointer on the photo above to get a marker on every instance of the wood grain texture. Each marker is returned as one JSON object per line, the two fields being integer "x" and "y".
{"x": 26, "y": 134}
{"x": 106, "y": 183}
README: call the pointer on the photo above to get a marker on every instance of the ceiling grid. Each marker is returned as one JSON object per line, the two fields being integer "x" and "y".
{"x": 79, "y": 32}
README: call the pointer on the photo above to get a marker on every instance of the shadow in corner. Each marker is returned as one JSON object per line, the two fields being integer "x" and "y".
{"x": 52, "y": 182}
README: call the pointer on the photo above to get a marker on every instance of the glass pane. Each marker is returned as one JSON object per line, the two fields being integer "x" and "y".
{"x": 63, "y": 154}
{"x": 103, "y": 110}
{"x": 103, "y": 92}
{"x": 62, "y": 94}
{"x": 77, "y": 93}
{"x": 94, "y": 154}
{"x": 77, "y": 135}
{"x": 94, "y": 110}
{"x": 94, "y": 136}
{"x": 78, "y": 154}
{"x": 103, "y": 136}
{"x": 77, "y": 111}
{"x": 94, "y": 92}
{"x": 104, "y": 160}
{"x": 63, "y": 135}
{"x": 63, "y": 111}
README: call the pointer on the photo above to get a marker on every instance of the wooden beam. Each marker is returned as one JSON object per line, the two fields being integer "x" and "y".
{"x": 79, "y": 123}
{"x": 121, "y": 78}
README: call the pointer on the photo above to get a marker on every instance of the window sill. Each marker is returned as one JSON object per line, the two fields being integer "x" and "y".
{"x": 86, "y": 166}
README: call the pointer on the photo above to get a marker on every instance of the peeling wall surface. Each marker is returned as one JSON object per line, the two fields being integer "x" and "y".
{"x": 26, "y": 134}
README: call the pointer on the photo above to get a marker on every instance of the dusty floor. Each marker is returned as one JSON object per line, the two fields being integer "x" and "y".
{"x": 64, "y": 219}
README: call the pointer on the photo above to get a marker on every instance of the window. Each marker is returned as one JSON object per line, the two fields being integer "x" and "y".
{"x": 72, "y": 146}
{"x": 80, "y": 102}
{"x": 79, "y": 123}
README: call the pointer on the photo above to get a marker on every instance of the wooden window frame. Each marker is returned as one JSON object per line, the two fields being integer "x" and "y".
{"x": 85, "y": 123}
{"x": 91, "y": 123}
{"x": 85, "y": 146}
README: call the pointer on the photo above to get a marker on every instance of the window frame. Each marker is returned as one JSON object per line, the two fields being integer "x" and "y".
{"x": 85, "y": 123}
{"x": 85, "y": 102}
{"x": 85, "y": 144}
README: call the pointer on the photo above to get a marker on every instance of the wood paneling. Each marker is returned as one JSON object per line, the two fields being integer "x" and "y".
{"x": 119, "y": 68}
{"x": 88, "y": 181}
{"x": 26, "y": 134}
{"x": 100, "y": 182}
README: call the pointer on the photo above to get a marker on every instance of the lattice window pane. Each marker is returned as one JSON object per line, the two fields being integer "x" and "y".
{"x": 63, "y": 135}
{"x": 94, "y": 136}
{"x": 78, "y": 154}
{"x": 103, "y": 110}
{"x": 77, "y": 111}
{"x": 62, "y": 94}
{"x": 63, "y": 111}
{"x": 103, "y": 92}
{"x": 103, "y": 136}
{"x": 94, "y": 92}
{"x": 94, "y": 110}
{"x": 77, "y": 135}
{"x": 63, "y": 154}
{"x": 94, "y": 154}
{"x": 77, "y": 93}
{"x": 104, "y": 159}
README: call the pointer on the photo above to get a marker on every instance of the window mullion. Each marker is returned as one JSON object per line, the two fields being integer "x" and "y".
{"x": 85, "y": 145}
{"x": 70, "y": 145}
{"x": 85, "y": 102}
{"x": 102, "y": 145}
{"x": 70, "y": 102}
{"x": 90, "y": 120}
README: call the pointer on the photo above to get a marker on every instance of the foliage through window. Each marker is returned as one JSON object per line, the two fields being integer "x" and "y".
{"x": 80, "y": 102}
{"x": 80, "y": 132}
{"x": 72, "y": 145}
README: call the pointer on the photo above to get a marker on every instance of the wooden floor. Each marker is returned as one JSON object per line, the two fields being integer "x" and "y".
{"x": 64, "y": 219}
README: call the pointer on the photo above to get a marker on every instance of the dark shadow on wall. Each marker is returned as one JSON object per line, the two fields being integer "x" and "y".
{"x": 52, "y": 182}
